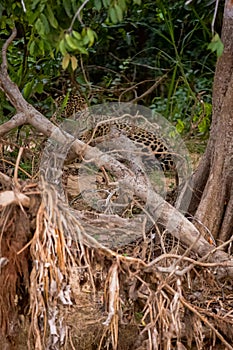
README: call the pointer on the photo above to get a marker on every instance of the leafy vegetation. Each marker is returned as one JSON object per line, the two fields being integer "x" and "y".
{"x": 115, "y": 50}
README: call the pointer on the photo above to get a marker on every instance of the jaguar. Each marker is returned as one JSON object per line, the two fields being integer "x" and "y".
{"x": 149, "y": 142}
{"x": 69, "y": 105}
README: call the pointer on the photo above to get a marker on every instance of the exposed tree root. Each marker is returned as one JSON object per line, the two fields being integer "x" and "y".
{"x": 162, "y": 290}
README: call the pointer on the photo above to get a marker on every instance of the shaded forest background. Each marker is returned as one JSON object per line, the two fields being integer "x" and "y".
{"x": 158, "y": 55}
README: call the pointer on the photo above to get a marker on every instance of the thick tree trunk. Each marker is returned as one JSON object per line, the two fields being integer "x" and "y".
{"x": 215, "y": 210}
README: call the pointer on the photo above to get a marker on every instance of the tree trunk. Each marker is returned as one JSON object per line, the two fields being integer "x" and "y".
{"x": 214, "y": 177}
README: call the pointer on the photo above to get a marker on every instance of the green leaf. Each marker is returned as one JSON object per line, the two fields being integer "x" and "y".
{"x": 39, "y": 27}
{"x": 34, "y": 4}
{"x": 67, "y": 7}
{"x": 113, "y": 15}
{"x": 51, "y": 18}
{"x": 203, "y": 127}
{"x": 32, "y": 47}
{"x": 85, "y": 37}
{"x": 106, "y": 3}
{"x": 48, "y": 47}
{"x": 137, "y": 2}
{"x": 80, "y": 79}
{"x": 98, "y": 4}
{"x": 62, "y": 47}
{"x": 82, "y": 50}
{"x": 216, "y": 45}
{"x": 122, "y": 4}
{"x": 41, "y": 46}
{"x": 76, "y": 35}
{"x": 75, "y": 45}
{"x": 32, "y": 17}
{"x": 208, "y": 108}
{"x": 119, "y": 12}
{"x": 74, "y": 6}
{"x": 27, "y": 90}
{"x": 45, "y": 23}
{"x": 71, "y": 42}
{"x": 39, "y": 88}
{"x": 91, "y": 36}
{"x": 180, "y": 126}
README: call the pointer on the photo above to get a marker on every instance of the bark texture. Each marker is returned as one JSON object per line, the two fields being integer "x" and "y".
{"x": 215, "y": 210}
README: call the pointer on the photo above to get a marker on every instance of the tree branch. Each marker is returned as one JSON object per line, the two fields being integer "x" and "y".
{"x": 5, "y": 180}
{"x": 4, "y": 50}
{"x": 16, "y": 121}
{"x": 77, "y": 14}
{"x": 149, "y": 91}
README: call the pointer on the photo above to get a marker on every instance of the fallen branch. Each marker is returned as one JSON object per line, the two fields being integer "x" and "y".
{"x": 162, "y": 211}
{"x": 10, "y": 197}
{"x": 16, "y": 121}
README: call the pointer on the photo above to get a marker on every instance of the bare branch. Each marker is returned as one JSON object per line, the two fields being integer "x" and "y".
{"x": 214, "y": 17}
{"x": 13, "y": 164}
{"x": 77, "y": 14}
{"x": 4, "y": 50}
{"x": 9, "y": 197}
{"x": 16, "y": 121}
{"x": 133, "y": 87}
{"x": 23, "y": 5}
{"x": 154, "y": 86}
{"x": 17, "y": 167}
{"x": 202, "y": 318}
{"x": 5, "y": 180}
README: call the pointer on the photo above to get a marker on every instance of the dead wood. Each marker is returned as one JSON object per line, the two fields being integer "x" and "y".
{"x": 168, "y": 216}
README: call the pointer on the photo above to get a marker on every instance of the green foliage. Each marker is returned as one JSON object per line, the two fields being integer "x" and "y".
{"x": 120, "y": 46}
{"x": 185, "y": 35}
{"x": 216, "y": 45}
{"x": 49, "y": 26}
{"x": 47, "y": 39}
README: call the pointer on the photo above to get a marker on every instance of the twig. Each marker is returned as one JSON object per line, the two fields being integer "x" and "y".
{"x": 17, "y": 167}
{"x": 154, "y": 86}
{"x": 4, "y": 50}
{"x": 4, "y": 179}
{"x": 133, "y": 87}
{"x": 214, "y": 17}
{"x": 186, "y": 258}
{"x": 25, "y": 246}
{"x": 21, "y": 169}
{"x": 17, "y": 120}
{"x": 23, "y": 5}
{"x": 138, "y": 64}
{"x": 204, "y": 320}
{"x": 92, "y": 66}
{"x": 77, "y": 14}
{"x": 71, "y": 343}
{"x": 84, "y": 73}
